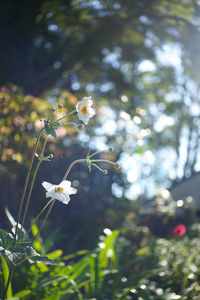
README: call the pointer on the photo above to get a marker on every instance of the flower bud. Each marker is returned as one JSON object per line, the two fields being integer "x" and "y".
{"x": 117, "y": 166}
{"x": 51, "y": 156}
{"x": 60, "y": 106}
{"x": 53, "y": 109}
{"x": 111, "y": 149}
{"x": 105, "y": 172}
{"x": 81, "y": 126}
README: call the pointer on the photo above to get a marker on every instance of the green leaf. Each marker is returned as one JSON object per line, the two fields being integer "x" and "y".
{"x": 6, "y": 241}
{"x": 55, "y": 254}
{"x": 56, "y": 124}
{"x": 22, "y": 294}
{"x": 55, "y": 295}
{"x": 22, "y": 235}
{"x": 43, "y": 259}
{"x": 5, "y": 271}
{"x": 10, "y": 217}
{"x": 51, "y": 280}
{"x": 16, "y": 255}
{"x": 53, "y": 133}
{"x": 30, "y": 252}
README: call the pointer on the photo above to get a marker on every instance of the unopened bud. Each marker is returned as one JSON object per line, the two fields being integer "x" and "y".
{"x": 117, "y": 166}
{"x": 60, "y": 106}
{"x": 51, "y": 156}
{"x": 111, "y": 149}
{"x": 105, "y": 172}
{"x": 53, "y": 109}
{"x": 80, "y": 126}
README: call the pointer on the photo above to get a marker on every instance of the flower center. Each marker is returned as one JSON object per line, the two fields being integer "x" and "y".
{"x": 58, "y": 190}
{"x": 84, "y": 110}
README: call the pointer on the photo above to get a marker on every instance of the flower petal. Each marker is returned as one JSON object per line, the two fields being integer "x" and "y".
{"x": 61, "y": 197}
{"x": 48, "y": 186}
{"x": 92, "y": 112}
{"x": 67, "y": 199}
{"x": 83, "y": 118}
{"x": 71, "y": 191}
{"x": 50, "y": 194}
{"x": 65, "y": 184}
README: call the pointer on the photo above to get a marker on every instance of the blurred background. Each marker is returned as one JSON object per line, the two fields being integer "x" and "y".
{"x": 139, "y": 60}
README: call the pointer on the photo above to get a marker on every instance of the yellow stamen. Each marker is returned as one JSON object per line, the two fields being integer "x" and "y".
{"x": 84, "y": 110}
{"x": 58, "y": 189}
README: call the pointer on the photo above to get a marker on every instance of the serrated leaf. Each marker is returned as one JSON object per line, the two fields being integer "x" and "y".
{"x": 22, "y": 235}
{"x": 6, "y": 241}
{"x": 30, "y": 252}
{"x": 56, "y": 124}
{"x": 16, "y": 255}
{"x": 53, "y": 132}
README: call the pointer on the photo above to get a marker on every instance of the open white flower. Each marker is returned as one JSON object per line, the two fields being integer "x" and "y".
{"x": 60, "y": 192}
{"x": 84, "y": 109}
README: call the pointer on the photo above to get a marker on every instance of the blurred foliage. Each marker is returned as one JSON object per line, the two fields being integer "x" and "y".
{"x": 98, "y": 42}
{"x": 130, "y": 264}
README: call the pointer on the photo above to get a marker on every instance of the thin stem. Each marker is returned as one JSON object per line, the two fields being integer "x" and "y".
{"x": 26, "y": 181}
{"x": 53, "y": 200}
{"x": 71, "y": 165}
{"x": 98, "y": 152}
{"x": 8, "y": 282}
{"x": 52, "y": 113}
{"x": 43, "y": 223}
{"x": 96, "y": 166}
{"x": 103, "y": 160}
{"x": 44, "y": 208}
{"x": 69, "y": 123}
{"x": 66, "y": 115}
{"x": 32, "y": 184}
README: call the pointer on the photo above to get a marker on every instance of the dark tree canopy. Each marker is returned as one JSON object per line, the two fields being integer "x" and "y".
{"x": 46, "y": 42}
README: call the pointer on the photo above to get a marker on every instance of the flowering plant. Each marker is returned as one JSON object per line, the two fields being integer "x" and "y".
{"x": 16, "y": 247}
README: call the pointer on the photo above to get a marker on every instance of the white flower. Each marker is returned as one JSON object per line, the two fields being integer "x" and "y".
{"x": 84, "y": 109}
{"x": 60, "y": 192}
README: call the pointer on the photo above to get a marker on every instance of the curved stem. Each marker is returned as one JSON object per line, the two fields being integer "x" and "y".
{"x": 71, "y": 165}
{"x": 96, "y": 166}
{"x": 8, "y": 282}
{"x": 32, "y": 184}
{"x": 98, "y": 152}
{"x": 26, "y": 180}
{"x": 103, "y": 160}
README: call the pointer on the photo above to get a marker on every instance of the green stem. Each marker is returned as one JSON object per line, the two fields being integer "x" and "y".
{"x": 44, "y": 208}
{"x": 43, "y": 223}
{"x": 96, "y": 166}
{"x": 98, "y": 152}
{"x": 32, "y": 184}
{"x": 26, "y": 181}
{"x": 8, "y": 282}
{"x": 103, "y": 160}
{"x": 53, "y": 200}
{"x": 69, "y": 114}
{"x": 71, "y": 165}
